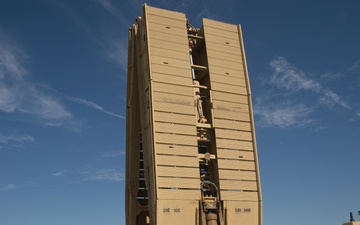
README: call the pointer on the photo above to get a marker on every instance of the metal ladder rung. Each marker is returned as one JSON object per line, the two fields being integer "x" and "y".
{"x": 198, "y": 67}
{"x": 195, "y": 36}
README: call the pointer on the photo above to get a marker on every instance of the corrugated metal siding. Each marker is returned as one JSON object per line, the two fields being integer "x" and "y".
{"x": 231, "y": 112}
{"x": 177, "y": 166}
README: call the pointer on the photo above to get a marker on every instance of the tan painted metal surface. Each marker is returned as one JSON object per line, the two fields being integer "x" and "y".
{"x": 191, "y": 148}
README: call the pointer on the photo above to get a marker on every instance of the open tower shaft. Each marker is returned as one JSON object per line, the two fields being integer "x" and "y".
{"x": 191, "y": 153}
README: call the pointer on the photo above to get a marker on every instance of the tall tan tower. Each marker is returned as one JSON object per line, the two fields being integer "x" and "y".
{"x": 191, "y": 155}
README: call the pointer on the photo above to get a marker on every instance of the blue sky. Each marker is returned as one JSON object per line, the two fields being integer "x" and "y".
{"x": 62, "y": 106}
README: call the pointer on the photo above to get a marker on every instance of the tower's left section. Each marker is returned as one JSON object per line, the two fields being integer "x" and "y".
{"x": 162, "y": 166}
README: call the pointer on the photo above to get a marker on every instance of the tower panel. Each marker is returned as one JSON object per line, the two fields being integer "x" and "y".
{"x": 191, "y": 148}
{"x": 238, "y": 146}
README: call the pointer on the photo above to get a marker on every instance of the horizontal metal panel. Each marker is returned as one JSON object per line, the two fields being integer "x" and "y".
{"x": 236, "y": 164}
{"x": 169, "y": 79}
{"x": 228, "y": 97}
{"x": 230, "y": 106}
{"x": 236, "y": 174}
{"x": 228, "y": 124}
{"x": 226, "y": 71}
{"x": 212, "y": 31}
{"x": 176, "y": 44}
{"x": 162, "y": 60}
{"x": 177, "y": 171}
{"x": 166, "y": 69}
{"x": 244, "y": 196}
{"x": 169, "y": 160}
{"x": 171, "y": 149}
{"x": 226, "y": 79}
{"x": 220, "y": 60}
{"x": 234, "y": 154}
{"x": 160, "y": 28}
{"x": 170, "y": 22}
{"x": 174, "y": 118}
{"x": 220, "y": 114}
{"x": 169, "y": 53}
{"x": 219, "y": 25}
{"x": 238, "y": 185}
{"x": 225, "y": 63}
{"x": 173, "y": 98}
{"x": 224, "y": 55}
{"x": 172, "y": 182}
{"x": 165, "y": 13}
{"x": 173, "y": 89}
{"x": 175, "y": 108}
{"x": 234, "y": 144}
{"x": 223, "y": 40}
{"x": 175, "y": 139}
{"x": 178, "y": 194}
{"x": 223, "y": 48}
{"x": 228, "y": 88}
{"x": 171, "y": 35}
{"x": 234, "y": 134}
{"x": 175, "y": 128}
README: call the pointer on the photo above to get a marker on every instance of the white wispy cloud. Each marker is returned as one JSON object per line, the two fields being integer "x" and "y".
{"x": 10, "y": 59}
{"x": 114, "y": 11}
{"x": 118, "y": 52}
{"x": 87, "y": 173}
{"x": 288, "y": 77}
{"x": 114, "y": 42}
{"x": 17, "y": 94}
{"x": 15, "y": 138}
{"x": 104, "y": 175}
{"x": 283, "y": 115}
{"x": 281, "y": 109}
{"x": 332, "y": 75}
{"x": 354, "y": 66}
{"x": 8, "y": 187}
{"x": 108, "y": 156}
{"x": 70, "y": 176}
{"x": 204, "y": 13}
{"x": 41, "y": 104}
{"x": 107, "y": 5}
{"x": 93, "y": 105}
{"x": 58, "y": 174}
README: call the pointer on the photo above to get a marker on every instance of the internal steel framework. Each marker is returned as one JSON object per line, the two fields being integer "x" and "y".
{"x": 191, "y": 153}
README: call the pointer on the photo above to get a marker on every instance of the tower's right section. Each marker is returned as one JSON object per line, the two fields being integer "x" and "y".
{"x": 233, "y": 123}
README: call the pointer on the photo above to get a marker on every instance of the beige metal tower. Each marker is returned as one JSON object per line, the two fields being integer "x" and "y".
{"x": 352, "y": 223}
{"x": 191, "y": 152}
